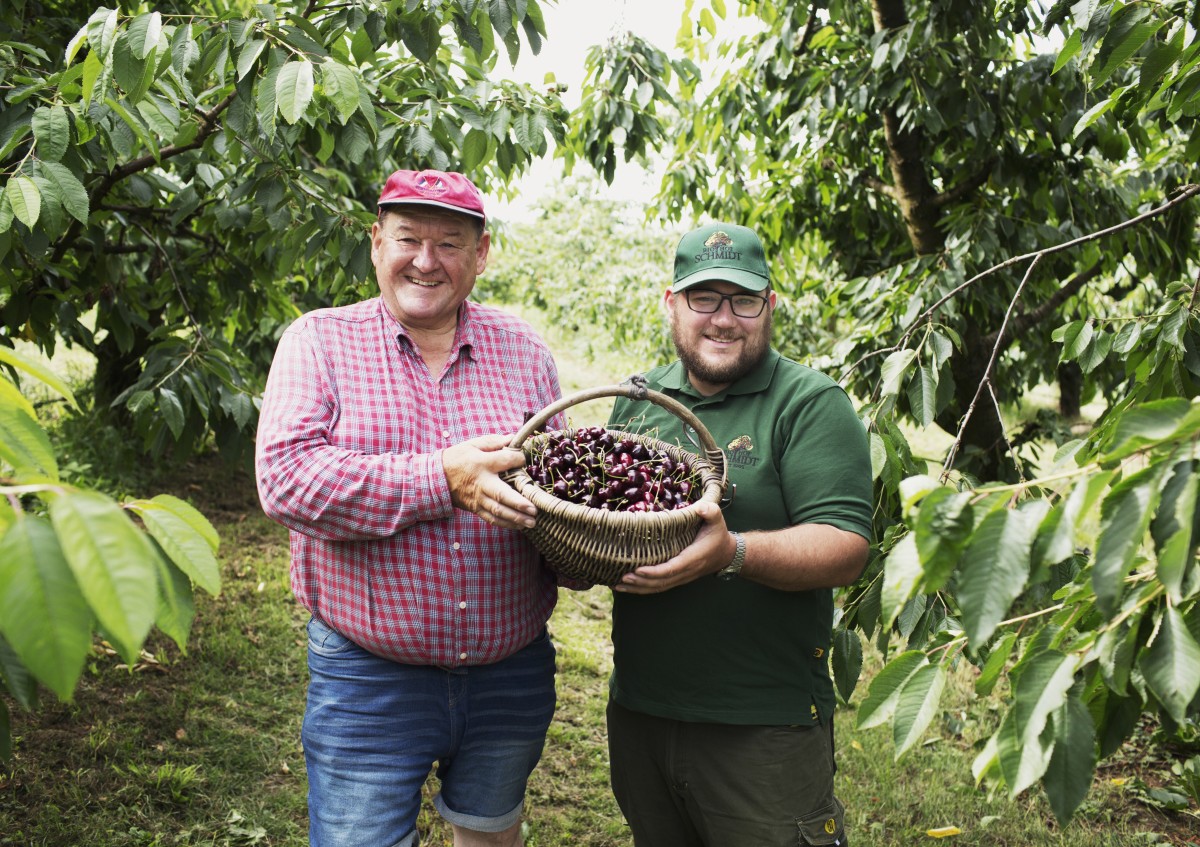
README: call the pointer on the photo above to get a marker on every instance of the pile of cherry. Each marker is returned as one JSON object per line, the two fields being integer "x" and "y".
{"x": 594, "y": 467}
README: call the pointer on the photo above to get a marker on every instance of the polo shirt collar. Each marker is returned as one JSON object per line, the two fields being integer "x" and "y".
{"x": 757, "y": 380}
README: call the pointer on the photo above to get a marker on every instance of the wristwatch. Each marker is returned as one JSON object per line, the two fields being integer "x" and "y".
{"x": 739, "y": 558}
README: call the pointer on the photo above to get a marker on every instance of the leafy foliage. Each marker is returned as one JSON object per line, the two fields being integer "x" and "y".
{"x": 177, "y": 182}
{"x": 73, "y": 560}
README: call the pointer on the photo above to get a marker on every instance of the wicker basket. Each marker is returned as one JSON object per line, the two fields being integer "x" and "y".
{"x": 600, "y": 546}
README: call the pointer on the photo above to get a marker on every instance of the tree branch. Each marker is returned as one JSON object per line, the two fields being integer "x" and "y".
{"x": 878, "y": 185}
{"x": 1182, "y": 194}
{"x": 1030, "y": 319}
{"x": 987, "y": 373}
{"x": 809, "y": 27}
{"x": 967, "y": 186}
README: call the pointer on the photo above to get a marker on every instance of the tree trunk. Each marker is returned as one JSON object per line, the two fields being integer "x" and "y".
{"x": 1070, "y": 390}
{"x": 984, "y": 450}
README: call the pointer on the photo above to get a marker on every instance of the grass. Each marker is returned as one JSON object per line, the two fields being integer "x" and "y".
{"x": 204, "y": 749}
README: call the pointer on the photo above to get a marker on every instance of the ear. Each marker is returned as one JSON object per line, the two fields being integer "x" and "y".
{"x": 668, "y": 300}
{"x": 481, "y": 252}
{"x": 771, "y": 298}
{"x": 376, "y": 238}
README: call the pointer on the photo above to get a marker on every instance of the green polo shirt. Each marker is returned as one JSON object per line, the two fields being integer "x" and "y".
{"x": 734, "y": 651}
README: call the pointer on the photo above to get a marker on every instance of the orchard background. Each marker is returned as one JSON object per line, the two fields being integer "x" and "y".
{"x": 983, "y": 220}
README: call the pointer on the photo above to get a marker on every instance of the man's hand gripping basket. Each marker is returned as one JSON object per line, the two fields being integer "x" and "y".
{"x": 599, "y": 546}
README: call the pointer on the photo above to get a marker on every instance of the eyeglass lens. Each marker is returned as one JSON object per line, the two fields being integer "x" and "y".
{"x": 707, "y": 302}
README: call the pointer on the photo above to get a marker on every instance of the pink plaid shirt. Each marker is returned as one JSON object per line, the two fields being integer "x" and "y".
{"x": 349, "y": 459}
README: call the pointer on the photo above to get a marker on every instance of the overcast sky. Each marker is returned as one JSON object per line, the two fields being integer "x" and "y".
{"x": 572, "y": 26}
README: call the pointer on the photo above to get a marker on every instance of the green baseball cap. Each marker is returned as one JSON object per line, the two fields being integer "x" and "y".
{"x": 721, "y": 251}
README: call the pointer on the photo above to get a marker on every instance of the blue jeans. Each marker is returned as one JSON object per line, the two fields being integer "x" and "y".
{"x": 374, "y": 728}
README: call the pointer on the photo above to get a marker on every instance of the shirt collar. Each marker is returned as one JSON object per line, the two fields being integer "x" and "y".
{"x": 464, "y": 335}
{"x": 757, "y": 380}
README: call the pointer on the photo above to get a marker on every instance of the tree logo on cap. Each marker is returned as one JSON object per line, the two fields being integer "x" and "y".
{"x": 718, "y": 239}
{"x": 431, "y": 185}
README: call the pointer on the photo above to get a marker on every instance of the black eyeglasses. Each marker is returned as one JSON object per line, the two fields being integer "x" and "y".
{"x": 706, "y": 302}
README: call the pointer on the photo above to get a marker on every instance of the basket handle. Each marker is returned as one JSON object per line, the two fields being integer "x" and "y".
{"x": 635, "y": 388}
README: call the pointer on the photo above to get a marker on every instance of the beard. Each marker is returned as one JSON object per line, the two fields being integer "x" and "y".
{"x": 758, "y": 341}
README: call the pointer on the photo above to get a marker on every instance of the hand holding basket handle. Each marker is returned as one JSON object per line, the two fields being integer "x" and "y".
{"x": 599, "y": 546}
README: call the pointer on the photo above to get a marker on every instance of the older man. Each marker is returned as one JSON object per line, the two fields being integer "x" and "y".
{"x": 382, "y": 436}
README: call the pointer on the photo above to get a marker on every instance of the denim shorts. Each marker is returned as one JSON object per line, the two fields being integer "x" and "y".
{"x": 693, "y": 784}
{"x": 373, "y": 730}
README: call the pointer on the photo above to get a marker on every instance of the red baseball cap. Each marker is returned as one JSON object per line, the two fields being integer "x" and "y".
{"x": 445, "y": 190}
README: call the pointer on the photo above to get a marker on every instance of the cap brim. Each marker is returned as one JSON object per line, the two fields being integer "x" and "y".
{"x": 739, "y": 277}
{"x": 388, "y": 204}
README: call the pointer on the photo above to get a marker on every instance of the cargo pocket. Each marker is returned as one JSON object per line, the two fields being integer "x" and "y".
{"x": 824, "y": 827}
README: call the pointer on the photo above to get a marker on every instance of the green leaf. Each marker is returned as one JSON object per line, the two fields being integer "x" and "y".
{"x": 901, "y": 574}
{"x": 143, "y": 34}
{"x": 187, "y": 512}
{"x": 43, "y": 615}
{"x": 846, "y": 661}
{"x": 341, "y": 87}
{"x": 1124, "y": 518}
{"x": 1127, "y": 339}
{"x": 17, "y": 678}
{"x": 1076, "y": 337}
{"x": 943, "y": 527}
{"x": 1042, "y": 688}
{"x": 249, "y": 56}
{"x": 266, "y": 102}
{"x": 1172, "y": 528}
{"x": 994, "y": 571}
{"x": 1069, "y": 51}
{"x": 109, "y": 558}
{"x": 102, "y": 31}
{"x": 71, "y": 193}
{"x": 1056, "y": 535}
{"x": 186, "y": 547}
{"x": 171, "y": 410}
{"x": 922, "y": 394}
{"x": 25, "y": 199}
{"x": 1130, "y": 42}
{"x": 1156, "y": 63}
{"x": 1171, "y": 665}
{"x": 1094, "y": 114}
{"x": 1146, "y": 424}
{"x": 1118, "y": 647}
{"x": 294, "y": 89}
{"x": 916, "y": 706}
{"x": 895, "y": 369}
{"x": 24, "y": 444}
{"x": 996, "y": 660}
{"x": 39, "y": 370}
{"x": 1072, "y": 767}
{"x": 176, "y": 604}
{"x": 884, "y": 694}
{"x": 51, "y": 132}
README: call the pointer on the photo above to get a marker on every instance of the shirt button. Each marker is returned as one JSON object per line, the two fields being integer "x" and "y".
{"x": 455, "y": 545}
{"x": 462, "y": 655}
{"x": 445, "y": 433}
{"x": 463, "y": 604}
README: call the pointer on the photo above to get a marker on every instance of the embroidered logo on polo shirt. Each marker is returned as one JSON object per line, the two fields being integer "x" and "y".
{"x": 739, "y": 451}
